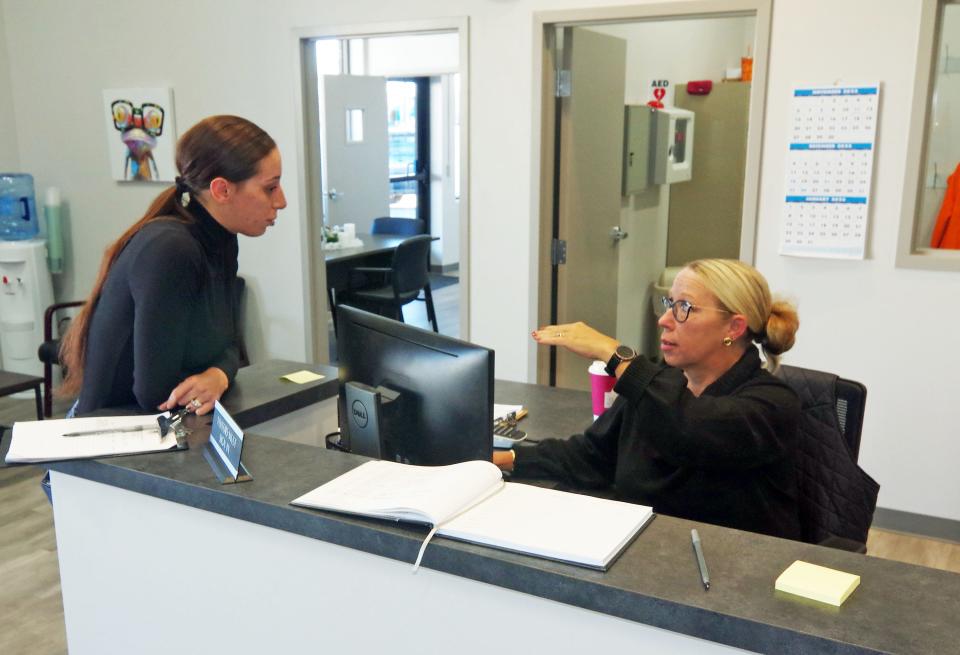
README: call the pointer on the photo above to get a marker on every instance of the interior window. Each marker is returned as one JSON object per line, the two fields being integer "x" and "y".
{"x": 930, "y": 228}
{"x": 943, "y": 137}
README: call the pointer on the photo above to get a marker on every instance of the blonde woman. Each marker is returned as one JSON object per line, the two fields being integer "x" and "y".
{"x": 710, "y": 435}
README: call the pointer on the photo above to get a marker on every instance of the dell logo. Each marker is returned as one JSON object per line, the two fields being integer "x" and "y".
{"x": 359, "y": 413}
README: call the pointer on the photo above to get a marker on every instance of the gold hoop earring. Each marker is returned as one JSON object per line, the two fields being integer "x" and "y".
{"x": 727, "y": 341}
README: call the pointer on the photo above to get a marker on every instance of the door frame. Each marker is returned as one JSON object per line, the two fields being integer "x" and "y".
{"x": 309, "y": 176}
{"x": 544, "y": 131}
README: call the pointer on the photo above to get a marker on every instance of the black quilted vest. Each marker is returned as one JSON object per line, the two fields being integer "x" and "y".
{"x": 837, "y": 498}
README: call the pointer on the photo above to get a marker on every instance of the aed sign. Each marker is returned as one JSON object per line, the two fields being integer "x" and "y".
{"x": 226, "y": 437}
{"x": 659, "y": 93}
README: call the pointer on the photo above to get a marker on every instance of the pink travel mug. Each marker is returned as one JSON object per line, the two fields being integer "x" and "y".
{"x": 601, "y": 388}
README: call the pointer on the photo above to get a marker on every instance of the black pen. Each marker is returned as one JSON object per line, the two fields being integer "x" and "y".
{"x": 701, "y": 563}
{"x": 89, "y": 433}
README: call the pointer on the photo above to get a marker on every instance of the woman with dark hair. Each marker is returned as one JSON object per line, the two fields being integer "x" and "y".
{"x": 158, "y": 328}
{"x": 708, "y": 435}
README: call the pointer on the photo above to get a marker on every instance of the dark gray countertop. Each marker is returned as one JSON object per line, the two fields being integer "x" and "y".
{"x": 258, "y": 394}
{"x": 898, "y": 607}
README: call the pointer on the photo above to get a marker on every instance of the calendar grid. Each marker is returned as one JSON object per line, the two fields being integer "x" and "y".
{"x": 829, "y": 168}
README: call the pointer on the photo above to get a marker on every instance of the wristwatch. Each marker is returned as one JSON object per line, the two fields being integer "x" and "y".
{"x": 621, "y": 354}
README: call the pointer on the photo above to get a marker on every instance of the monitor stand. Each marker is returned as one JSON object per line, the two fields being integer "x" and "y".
{"x": 365, "y": 417}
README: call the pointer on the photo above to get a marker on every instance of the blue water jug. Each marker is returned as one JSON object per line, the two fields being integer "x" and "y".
{"x": 18, "y": 208}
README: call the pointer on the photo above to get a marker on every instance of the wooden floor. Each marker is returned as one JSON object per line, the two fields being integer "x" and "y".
{"x": 31, "y": 610}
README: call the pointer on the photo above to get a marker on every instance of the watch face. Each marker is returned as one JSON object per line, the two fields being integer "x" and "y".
{"x": 625, "y": 353}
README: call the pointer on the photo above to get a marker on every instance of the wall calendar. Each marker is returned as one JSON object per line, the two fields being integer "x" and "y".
{"x": 829, "y": 168}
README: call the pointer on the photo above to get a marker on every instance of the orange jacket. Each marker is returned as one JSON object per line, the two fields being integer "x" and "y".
{"x": 946, "y": 233}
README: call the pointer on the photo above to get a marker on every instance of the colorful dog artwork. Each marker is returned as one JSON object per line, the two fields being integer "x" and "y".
{"x": 140, "y": 122}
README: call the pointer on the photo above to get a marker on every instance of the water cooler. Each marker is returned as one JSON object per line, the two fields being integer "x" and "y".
{"x": 25, "y": 292}
{"x": 25, "y": 286}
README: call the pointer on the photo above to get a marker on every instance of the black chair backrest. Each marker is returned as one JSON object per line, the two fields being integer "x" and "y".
{"x": 851, "y": 400}
{"x": 398, "y": 226}
{"x": 410, "y": 264}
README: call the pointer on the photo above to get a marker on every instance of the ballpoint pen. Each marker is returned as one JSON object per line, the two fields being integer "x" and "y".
{"x": 701, "y": 563}
{"x": 89, "y": 433}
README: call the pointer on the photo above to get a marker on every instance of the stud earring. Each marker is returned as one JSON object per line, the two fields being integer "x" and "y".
{"x": 727, "y": 341}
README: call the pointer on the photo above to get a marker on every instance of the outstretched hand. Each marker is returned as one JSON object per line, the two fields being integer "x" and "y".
{"x": 198, "y": 392}
{"x": 578, "y": 338}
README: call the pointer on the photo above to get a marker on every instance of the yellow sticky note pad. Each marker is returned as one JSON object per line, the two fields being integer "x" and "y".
{"x": 301, "y": 377}
{"x": 817, "y": 582}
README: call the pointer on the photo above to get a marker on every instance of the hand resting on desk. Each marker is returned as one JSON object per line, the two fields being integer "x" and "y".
{"x": 204, "y": 388}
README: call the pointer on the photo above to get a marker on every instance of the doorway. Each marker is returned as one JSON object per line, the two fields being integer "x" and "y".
{"x": 384, "y": 125}
{"x": 618, "y": 211}
{"x": 408, "y": 124}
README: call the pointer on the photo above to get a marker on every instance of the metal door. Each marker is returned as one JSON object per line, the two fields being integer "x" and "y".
{"x": 355, "y": 171}
{"x": 588, "y": 188}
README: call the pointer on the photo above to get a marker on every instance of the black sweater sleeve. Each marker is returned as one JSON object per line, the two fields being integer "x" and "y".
{"x": 165, "y": 278}
{"x": 585, "y": 460}
{"x": 229, "y": 362}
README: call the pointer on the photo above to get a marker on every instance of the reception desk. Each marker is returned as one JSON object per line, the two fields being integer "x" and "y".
{"x": 156, "y": 556}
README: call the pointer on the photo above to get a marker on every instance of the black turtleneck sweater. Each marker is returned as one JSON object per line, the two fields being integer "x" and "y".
{"x": 165, "y": 313}
{"x": 726, "y": 457}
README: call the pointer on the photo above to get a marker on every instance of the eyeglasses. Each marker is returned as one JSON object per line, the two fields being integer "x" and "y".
{"x": 148, "y": 116}
{"x": 681, "y": 308}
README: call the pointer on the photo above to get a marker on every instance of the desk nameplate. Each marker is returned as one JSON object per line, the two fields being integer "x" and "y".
{"x": 223, "y": 450}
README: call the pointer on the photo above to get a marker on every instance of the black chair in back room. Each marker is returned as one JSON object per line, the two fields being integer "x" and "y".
{"x": 398, "y": 226}
{"x": 396, "y": 286}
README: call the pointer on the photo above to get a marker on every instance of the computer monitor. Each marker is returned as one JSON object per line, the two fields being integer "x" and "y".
{"x": 437, "y": 391}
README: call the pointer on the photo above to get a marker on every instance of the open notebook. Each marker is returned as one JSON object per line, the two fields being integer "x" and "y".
{"x": 471, "y": 502}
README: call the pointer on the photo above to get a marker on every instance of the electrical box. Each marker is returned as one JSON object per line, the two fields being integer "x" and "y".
{"x": 673, "y": 146}
{"x": 637, "y": 139}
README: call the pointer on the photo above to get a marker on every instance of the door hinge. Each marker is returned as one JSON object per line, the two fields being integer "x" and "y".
{"x": 563, "y": 83}
{"x": 558, "y": 252}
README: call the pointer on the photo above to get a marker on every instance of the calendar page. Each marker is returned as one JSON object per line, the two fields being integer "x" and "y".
{"x": 829, "y": 168}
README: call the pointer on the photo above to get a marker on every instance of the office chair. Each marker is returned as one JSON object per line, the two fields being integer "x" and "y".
{"x": 851, "y": 399}
{"x": 398, "y": 226}
{"x": 399, "y": 285}
{"x": 837, "y": 498}
{"x": 49, "y": 351}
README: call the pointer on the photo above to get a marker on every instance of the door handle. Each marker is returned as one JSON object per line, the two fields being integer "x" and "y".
{"x": 617, "y": 234}
{"x": 333, "y": 194}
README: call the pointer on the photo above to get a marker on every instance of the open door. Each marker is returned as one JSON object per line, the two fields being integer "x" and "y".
{"x": 356, "y": 173}
{"x": 587, "y": 209}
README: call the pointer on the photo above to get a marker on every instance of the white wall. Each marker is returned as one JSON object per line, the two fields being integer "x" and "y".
{"x": 859, "y": 318}
{"x": 895, "y": 330}
{"x": 422, "y": 55}
{"x": 444, "y": 205}
{"x": 9, "y": 157}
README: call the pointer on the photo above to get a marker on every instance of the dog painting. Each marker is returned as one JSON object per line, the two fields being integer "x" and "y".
{"x": 140, "y": 134}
